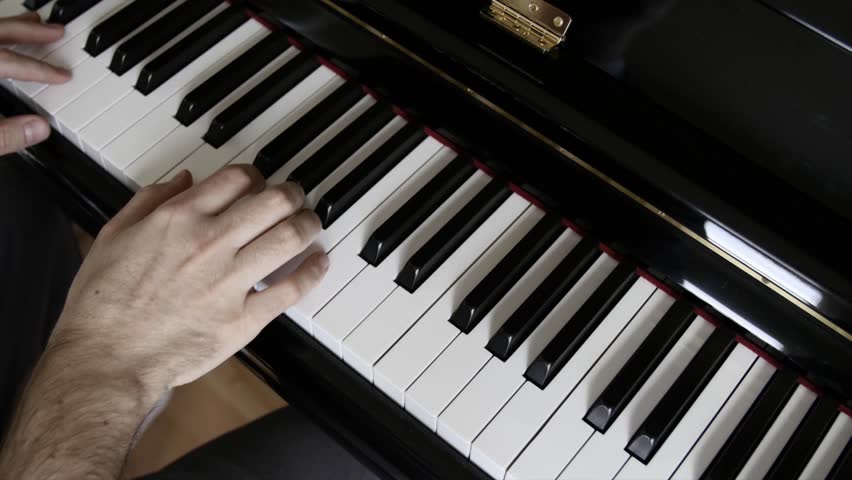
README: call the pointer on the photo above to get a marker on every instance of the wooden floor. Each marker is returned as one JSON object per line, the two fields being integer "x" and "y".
{"x": 224, "y": 399}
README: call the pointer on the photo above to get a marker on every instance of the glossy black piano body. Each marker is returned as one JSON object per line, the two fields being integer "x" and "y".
{"x": 632, "y": 155}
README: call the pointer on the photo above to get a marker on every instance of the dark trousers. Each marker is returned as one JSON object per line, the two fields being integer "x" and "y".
{"x": 38, "y": 260}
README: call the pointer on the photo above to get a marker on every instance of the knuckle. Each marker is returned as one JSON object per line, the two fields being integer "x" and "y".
{"x": 237, "y": 174}
{"x": 311, "y": 221}
{"x": 10, "y": 139}
{"x": 169, "y": 212}
{"x": 149, "y": 190}
{"x": 278, "y": 199}
{"x": 108, "y": 230}
{"x": 292, "y": 291}
{"x": 293, "y": 234}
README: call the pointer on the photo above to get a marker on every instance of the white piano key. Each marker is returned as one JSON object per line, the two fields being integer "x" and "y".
{"x": 68, "y": 56}
{"x": 726, "y": 421}
{"x": 829, "y": 449}
{"x": 248, "y": 156}
{"x": 610, "y": 446}
{"x": 327, "y": 183}
{"x": 107, "y": 87}
{"x": 285, "y": 111}
{"x": 378, "y": 332}
{"x": 71, "y": 56}
{"x": 154, "y": 163}
{"x": 330, "y": 237}
{"x": 95, "y": 129}
{"x": 516, "y": 424}
{"x": 778, "y": 434}
{"x": 442, "y": 381}
{"x": 44, "y": 13}
{"x": 84, "y": 76}
{"x": 68, "y": 52}
{"x": 354, "y": 160}
{"x": 109, "y": 91}
{"x": 142, "y": 123}
{"x": 492, "y": 387}
{"x": 337, "y": 231}
{"x": 77, "y": 27}
{"x": 105, "y": 58}
{"x": 566, "y": 432}
{"x": 692, "y": 425}
{"x": 282, "y": 174}
{"x": 344, "y": 262}
{"x": 410, "y": 356}
{"x": 11, "y": 8}
{"x": 367, "y": 290}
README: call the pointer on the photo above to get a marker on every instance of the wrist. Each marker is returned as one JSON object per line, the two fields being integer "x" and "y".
{"x": 97, "y": 367}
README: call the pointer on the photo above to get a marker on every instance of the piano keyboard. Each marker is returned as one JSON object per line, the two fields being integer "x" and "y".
{"x": 526, "y": 346}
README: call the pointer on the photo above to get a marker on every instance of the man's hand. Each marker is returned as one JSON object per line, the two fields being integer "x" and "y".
{"x": 21, "y": 132}
{"x": 168, "y": 283}
{"x": 165, "y": 295}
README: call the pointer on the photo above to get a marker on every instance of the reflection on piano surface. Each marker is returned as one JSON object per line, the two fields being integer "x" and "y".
{"x": 478, "y": 318}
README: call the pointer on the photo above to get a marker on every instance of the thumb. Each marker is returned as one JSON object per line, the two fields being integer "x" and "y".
{"x": 17, "y": 133}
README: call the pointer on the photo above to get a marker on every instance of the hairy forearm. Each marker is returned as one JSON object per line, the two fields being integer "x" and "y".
{"x": 76, "y": 419}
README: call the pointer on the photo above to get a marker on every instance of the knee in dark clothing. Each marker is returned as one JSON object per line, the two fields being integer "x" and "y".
{"x": 283, "y": 444}
{"x": 39, "y": 257}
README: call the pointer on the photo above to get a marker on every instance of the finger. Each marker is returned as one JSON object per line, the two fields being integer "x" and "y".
{"x": 17, "y": 133}
{"x": 147, "y": 200}
{"x": 21, "y": 67}
{"x": 262, "y": 307}
{"x": 26, "y": 30}
{"x": 253, "y": 216}
{"x": 276, "y": 247}
{"x": 219, "y": 191}
{"x": 32, "y": 17}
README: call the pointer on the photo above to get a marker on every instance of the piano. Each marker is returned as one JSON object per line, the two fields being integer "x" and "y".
{"x": 568, "y": 239}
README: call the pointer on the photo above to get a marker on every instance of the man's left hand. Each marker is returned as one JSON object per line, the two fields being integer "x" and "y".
{"x": 17, "y": 133}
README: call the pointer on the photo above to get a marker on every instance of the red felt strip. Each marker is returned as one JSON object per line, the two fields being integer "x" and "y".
{"x": 760, "y": 353}
{"x": 706, "y": 316}
{"x": 657, "y": 283}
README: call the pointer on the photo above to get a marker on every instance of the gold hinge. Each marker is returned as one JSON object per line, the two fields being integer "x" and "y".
{"x": 538, "y": 23}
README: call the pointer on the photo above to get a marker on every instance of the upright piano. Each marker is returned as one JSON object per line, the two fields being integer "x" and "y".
{"x": 568, "y": 239}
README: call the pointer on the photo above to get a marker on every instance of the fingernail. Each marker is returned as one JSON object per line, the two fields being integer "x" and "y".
{"x": 35, "y": 132}
{"x": 181, "y": 176}
{"x": 323, "y": 261}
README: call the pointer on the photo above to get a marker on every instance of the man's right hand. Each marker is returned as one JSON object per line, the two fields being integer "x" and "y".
{"x": 165, "y": 294}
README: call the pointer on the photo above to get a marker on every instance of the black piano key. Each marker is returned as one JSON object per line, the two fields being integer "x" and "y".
{"x": 35, "y": 4}
{"x": 506, "y": 274}
{"x": 635, "y": 372}
{"x": 445, "y": 241}
{"x": 121, "y": 23}
{"x": 64, "y": 11}
{"x": 157, "y": 34}
{"x": 207, "y": 95}
{"x": 571, "y": 337}
{"x": 677, "y": 400}
{"x": 742, "y": 443}
{"x": 184, "y": 52}
{"x": 363, "y": 177}
{"x": 279, "y": 151}
{"x": 842, "y": 469}
{"x": 258, "y": 99}
{"x": 544, "y": 298}
{"x": 342, "y": 146}
{"x": 804, "y": 441}
{"x": 404, "y": 221}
